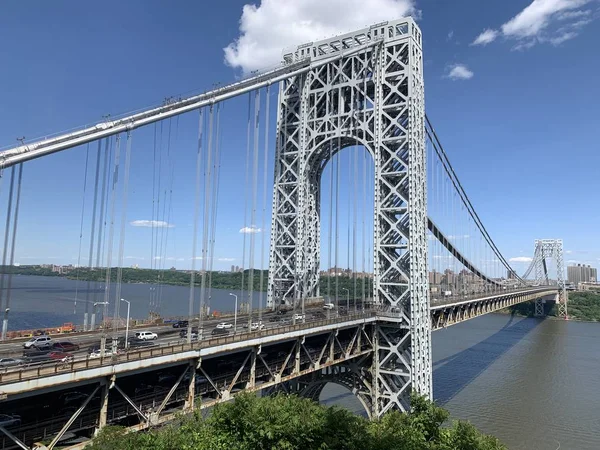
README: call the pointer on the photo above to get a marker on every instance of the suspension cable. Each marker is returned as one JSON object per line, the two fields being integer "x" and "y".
{"x": 122, "y": 240}
{"x": 253, "y": 204}
{"x": 458, "y": 186}
{"x": 196, "y": 219}
{"x": 14, "y": 237}
{"x": 215, "y": 202}
{"x": 264, "y": 203}
{"x": 87, "y": 156}
{"x": 92, "y": 236}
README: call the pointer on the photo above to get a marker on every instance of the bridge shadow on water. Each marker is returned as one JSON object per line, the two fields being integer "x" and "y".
{"x": 453, "y": 373}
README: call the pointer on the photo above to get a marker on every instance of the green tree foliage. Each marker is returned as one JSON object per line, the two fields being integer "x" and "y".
{"x": 584, "y": 305}
{"x": 290, "y": 423}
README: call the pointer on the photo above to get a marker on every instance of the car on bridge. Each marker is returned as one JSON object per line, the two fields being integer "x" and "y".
{"x": 299, "y": 316}
{"x": 10, "y": 362}
{"x": 61, "y": 356}
{"x": 39, "y": 342}
{"x": 65, "y": 346}
{"x": 224, "y": 325}
{"x": 146, "y": 335}
{"x": 328, "y": 306}
{"x": 257, "y": 326}
{"x": 181, "y": 324}
{"x": 219, "y": 332}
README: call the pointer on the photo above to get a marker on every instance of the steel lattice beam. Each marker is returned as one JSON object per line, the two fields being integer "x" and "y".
{"x": 373, "y": 98}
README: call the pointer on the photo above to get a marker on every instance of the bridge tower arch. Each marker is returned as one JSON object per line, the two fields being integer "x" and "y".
{"x": 372, "y": 95}
{"x": 550, "y": 249}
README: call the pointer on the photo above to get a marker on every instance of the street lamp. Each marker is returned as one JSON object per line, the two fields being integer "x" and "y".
{"x": 234, "y": 315}
{"x": 127, "y": 325}
{"x": 347, "y": 299}
{"x": 93, "y": 324}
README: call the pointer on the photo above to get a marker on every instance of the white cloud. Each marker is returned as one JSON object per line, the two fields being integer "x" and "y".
{"x": 140, "y": 258}
{"x": 521, "y": 259}
{"x": 459, "y": 72}
{"x": 534, "y": 24}
{"x": 450, "y": 35}
{"x": 568, "y": 252}
{"x": 488, "y": 35}
{"x": 273, "y": 25}
{"x": 226, "y": 259}
{"x": 249, "y": 230}
{"x": 151, "y": 223}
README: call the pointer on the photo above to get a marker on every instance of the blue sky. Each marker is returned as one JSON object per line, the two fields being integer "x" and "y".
{"x": 511, "y": 88}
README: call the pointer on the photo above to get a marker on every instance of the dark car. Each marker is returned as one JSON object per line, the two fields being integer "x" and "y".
{"x": 274, "y": 319}
{"x": 181, "y": 324}
{"x": 61, "y": 356}
{"x": 65, "y": 346}
{"x": 183, "y": 333}
{"x": 219, "y": 332}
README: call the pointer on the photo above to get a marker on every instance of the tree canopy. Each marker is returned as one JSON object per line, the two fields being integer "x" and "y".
{"x": 289, "y": 423}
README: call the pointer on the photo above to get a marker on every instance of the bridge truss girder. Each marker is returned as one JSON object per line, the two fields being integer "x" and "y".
{"x": 374, "y": 98}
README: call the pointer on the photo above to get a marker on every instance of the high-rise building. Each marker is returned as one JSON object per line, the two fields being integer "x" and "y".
{"x": 582, "y": 274}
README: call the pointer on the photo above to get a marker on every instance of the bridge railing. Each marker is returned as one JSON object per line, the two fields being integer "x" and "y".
{"x": 18, "y": 374}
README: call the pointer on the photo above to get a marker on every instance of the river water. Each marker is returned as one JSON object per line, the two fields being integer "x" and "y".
{"x": 533, "y": 383}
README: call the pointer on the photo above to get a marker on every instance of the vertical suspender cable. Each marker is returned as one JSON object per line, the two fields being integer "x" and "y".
{"x": 151, "y": 306}
{"x": 164, "y": 226}
{"x": 337, "y": 215}
{"x": 111, "y": 234}
{"x": 102, "y": 202}
{"x": 264, "y": 203}
{"x": 87, "y": 157}
{"x": 253, "y": 205}
{"x": 247, "y": 176}
{"x": 215, "y": 203}
{"x": 105, "y": 188}
{"x": 92, "y": 235}
{"x": 205, "y": 230}
{"x": 195, "y": 235}
{"x": 5, "y": 250}
{"x": 122, "y": 238}
{"x": 354, "y": 182}
{"x": 12, "y": 246}
{"x": 364, "y": 240}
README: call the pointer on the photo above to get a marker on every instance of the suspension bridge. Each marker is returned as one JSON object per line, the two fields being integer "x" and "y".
{"x": 424, "y": 262}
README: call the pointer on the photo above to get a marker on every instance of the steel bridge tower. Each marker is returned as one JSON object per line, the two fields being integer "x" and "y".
{"x": 372, "y": 96}
{"x": 550, "y": 248}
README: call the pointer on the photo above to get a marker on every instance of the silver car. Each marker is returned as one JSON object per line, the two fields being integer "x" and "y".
{"x": 39, "y": 342}
{"x": 10, "y": 362}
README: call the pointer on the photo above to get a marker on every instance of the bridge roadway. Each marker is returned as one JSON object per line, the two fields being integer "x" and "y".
{"x": 149, "y": 386}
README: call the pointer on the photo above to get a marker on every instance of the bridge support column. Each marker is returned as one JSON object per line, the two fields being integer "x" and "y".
{"x": 105, "y": 386}
{"x": 191, "y": 395}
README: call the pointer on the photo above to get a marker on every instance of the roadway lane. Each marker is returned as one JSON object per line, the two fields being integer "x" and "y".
{"x": 166, "y": 333}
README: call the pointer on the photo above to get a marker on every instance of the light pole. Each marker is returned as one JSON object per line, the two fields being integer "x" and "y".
{"x": 127, "y": 324}
{"x": 347, "y": 299}
{"x": 234, "y": 315}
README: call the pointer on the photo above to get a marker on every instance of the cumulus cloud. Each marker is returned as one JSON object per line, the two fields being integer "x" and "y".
{"x": 151, "y": 223}
{"x": 485, "y": 37}
{"x": 521, "y": 259}
{"x": 249, "y": 230}
{"x": 266, "y": 29}
{"x": 553, "y": 21}
{"x": 459, "y": 72}
{"x": 226, "y": 259}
